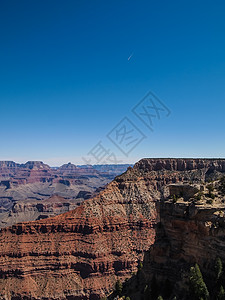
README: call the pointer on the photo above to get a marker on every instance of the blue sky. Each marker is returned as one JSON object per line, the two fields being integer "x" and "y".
{"x": 66, "y": 81}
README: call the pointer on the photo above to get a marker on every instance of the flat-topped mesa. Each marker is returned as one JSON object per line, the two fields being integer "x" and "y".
{"x": 180, "y": 164}
{"x": 35, "y": 165}
{"x": 8, "y": 164}
{"x": 72, "y": 171}
{"x": 68, "y": 167}
{"x": 8, "y": 169}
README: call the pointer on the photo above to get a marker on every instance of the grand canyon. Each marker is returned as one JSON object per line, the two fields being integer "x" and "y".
{"x": 34, "y": 190}
{"x": 152, "y": 215}
{"x": 112, "y": 161}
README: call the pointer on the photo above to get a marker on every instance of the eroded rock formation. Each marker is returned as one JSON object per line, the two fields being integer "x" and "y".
{"x": 80, "y": 254}
{"x": 191, "y": 230}
{"x": 30, "y": 185}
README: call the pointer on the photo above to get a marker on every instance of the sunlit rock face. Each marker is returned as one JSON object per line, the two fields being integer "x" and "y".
{"x": 80, "y": 254}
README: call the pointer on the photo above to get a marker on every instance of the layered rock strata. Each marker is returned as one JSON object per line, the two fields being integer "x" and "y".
{"x": 80, "y": 254}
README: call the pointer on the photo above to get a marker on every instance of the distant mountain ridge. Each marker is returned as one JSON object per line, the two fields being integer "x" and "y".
{"x": 37, "y": 171}
{"x": 29, "y": 185}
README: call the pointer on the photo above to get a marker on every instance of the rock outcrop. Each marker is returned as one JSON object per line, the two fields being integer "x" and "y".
{"x": 80, "y": 254}
{"x": 191, "y": 231}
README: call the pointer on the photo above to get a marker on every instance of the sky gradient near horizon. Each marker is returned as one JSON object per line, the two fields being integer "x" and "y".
{"x": 70, "y": 71}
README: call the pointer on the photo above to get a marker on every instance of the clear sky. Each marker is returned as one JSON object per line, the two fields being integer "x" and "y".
{"x": 70, "y": 71}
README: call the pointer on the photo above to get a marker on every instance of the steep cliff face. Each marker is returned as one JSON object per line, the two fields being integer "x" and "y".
{"x": 181, "y": 164}
{"x": 80, "y": 254}
{"x": 190, "y": 231}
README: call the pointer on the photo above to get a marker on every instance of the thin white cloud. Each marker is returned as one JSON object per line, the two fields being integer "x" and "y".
{"x": 130, "y": 56}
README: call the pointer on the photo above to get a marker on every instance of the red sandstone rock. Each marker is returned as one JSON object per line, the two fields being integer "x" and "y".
{"x": 80, "y": 254}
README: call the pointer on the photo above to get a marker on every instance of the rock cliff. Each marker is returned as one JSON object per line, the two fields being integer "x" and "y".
{"x": 191, "y": 230}
{"x": 80, "y": 254}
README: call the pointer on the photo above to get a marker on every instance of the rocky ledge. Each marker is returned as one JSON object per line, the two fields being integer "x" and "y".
{"x": 191, "y": 231}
